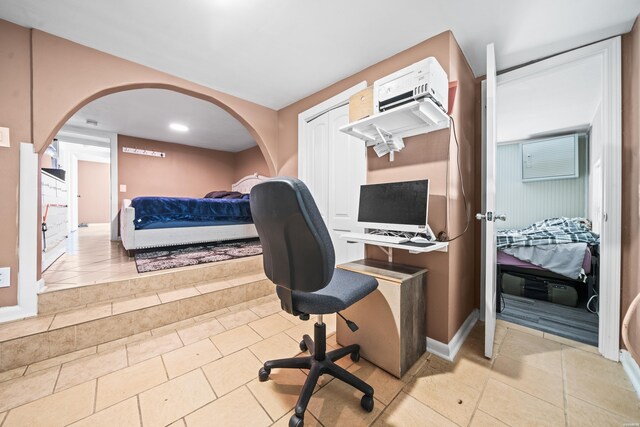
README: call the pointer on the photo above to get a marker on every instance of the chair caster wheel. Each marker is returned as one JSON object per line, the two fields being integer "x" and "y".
{"x": 263, "y": 374}
{"x": 296, "y": 421}
{"x": 367, "y": 403}
{"x": 355, "y": 356}
{"x": 303, "y": 346}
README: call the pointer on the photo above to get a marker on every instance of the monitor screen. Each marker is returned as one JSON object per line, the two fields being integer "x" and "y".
{"x": 402, "y": 203}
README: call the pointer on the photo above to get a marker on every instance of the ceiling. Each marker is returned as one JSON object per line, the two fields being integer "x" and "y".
{"x": 561, "y": 100}
{"x": 277, "y": 52}
{"x": 147, "y": 113}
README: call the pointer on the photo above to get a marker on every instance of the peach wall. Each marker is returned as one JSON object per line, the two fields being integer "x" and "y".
{"x": 185, "y": 171}
{"x": 45, "y": 79}
{"x": 631, "y": 177}
{"x": 15, "y": 111}
{"x": 288, "y": 116}
{"x": 67, "y": 76}
{"x": 94, "y": 192}
{"x": 425, "y": 156}
{"x": 248, "y": 162}
{"x": 463, "y": 252}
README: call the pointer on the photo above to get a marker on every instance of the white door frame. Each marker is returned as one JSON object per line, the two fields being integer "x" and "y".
{"x": 72, "y": 191}
{"x": 609, "y": 51}
{"x": 28, "y": 225}
{"x": 27, "y": 238}
{"x": 306, "y": 116}
{"x": 101, "y": 138}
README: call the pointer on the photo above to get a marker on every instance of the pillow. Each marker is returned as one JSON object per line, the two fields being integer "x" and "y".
{"x": 223, "y": 195}
{"x": 215, "y": 194}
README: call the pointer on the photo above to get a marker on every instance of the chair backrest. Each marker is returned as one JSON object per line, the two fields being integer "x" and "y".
{"x": 297, "y": 250}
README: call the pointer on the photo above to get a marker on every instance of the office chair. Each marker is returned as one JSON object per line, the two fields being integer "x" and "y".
{"x": 299, "y": 258}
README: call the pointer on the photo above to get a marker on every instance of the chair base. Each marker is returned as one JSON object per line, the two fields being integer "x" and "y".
{"x": 319, "y": 363}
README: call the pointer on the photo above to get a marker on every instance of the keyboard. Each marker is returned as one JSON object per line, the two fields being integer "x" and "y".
{"x": 374, "y": 237}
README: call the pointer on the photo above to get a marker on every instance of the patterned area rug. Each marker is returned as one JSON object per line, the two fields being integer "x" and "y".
{"x": 182, "y": 256}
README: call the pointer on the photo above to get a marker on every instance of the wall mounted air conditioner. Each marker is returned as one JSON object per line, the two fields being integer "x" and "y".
{"x": 551, "y": 158}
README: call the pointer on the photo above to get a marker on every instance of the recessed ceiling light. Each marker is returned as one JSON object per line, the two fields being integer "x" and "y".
{"x": 179, "y": 127}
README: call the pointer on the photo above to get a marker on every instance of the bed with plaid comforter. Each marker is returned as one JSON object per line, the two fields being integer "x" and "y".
{"x": 548, "y": 232}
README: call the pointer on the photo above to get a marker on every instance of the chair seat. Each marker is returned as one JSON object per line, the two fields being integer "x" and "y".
{"x": 345, "y": 288}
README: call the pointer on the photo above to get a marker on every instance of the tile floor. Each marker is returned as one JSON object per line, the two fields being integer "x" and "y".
{"x": 205, "y": 373}
{"x": 91, "y": 257}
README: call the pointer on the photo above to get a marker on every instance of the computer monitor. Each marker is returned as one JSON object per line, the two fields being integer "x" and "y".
{"x": 395, "y": 206}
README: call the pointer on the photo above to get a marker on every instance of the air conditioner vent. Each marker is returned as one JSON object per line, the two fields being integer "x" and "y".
{"x": 553, "y": 158}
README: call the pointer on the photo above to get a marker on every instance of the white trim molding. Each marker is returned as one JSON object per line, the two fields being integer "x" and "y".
{"x": 99, "y": 138}
{"x": 610, "y": 254}
{"x": 27, "y": 238}
{"x": 450, "y": 350}
{"x": 632, "y": 369}
{"x": 115, "y": 191}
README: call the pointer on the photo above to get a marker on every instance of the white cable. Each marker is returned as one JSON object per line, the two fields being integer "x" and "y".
{"x": 596, "y": 304}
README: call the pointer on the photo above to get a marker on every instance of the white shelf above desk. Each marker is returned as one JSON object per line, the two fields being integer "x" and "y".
{"x": 410, "y": 119}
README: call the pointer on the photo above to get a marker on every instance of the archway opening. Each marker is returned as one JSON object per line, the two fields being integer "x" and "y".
{"x": 154, "y": 141}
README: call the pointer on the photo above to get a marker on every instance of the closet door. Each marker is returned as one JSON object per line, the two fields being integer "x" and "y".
{"x": 317, "y": 173}
{"x": 335, "y": 168}
{"x": 347, "y": 172}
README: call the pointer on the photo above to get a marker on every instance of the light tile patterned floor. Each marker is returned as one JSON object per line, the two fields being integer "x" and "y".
{"x": 91, "y": 257}
{"x": 205, "y": 373}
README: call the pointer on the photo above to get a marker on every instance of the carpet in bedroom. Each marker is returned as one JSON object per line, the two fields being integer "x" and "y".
{"x": 182, "y": 256}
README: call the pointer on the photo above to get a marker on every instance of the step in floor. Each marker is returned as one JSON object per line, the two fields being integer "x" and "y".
{"x": 56, "y": 299}
{"x": 31, "y": 340}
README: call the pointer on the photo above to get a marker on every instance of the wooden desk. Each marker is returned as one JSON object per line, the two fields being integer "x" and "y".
{"x": 391, "y": 319}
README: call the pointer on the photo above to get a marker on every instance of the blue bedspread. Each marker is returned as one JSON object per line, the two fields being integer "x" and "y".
{"x": 167, "y": 212}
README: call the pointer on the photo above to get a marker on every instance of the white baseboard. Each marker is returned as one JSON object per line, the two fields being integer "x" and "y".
{"x": 15, "y": 312}
{"x": 632, "y": 369}
{"x": 449, "y": 351}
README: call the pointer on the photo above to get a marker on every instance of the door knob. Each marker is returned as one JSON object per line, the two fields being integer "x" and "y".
{"x": 501, "y": 217}
{"x": 488, "y": 216}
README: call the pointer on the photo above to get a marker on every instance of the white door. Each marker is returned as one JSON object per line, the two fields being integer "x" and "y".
{"x": 317, "y": 173}
{"x": 335, "y": 168}
{"x": 347, "y": 172}
{"x": 489, "y": 203}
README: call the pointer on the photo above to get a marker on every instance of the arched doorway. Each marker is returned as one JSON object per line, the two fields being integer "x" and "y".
{"x": 32, "y": 208}
{"x": 41, "y": 146}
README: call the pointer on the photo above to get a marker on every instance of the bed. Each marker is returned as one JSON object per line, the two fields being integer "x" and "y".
{"x": 150, "y": 222}
{"x": 554, "y": 258}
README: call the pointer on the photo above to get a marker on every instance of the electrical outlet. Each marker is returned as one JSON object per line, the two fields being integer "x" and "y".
{"x": 5, "y": 277}
{"x": 4, "y": 137}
